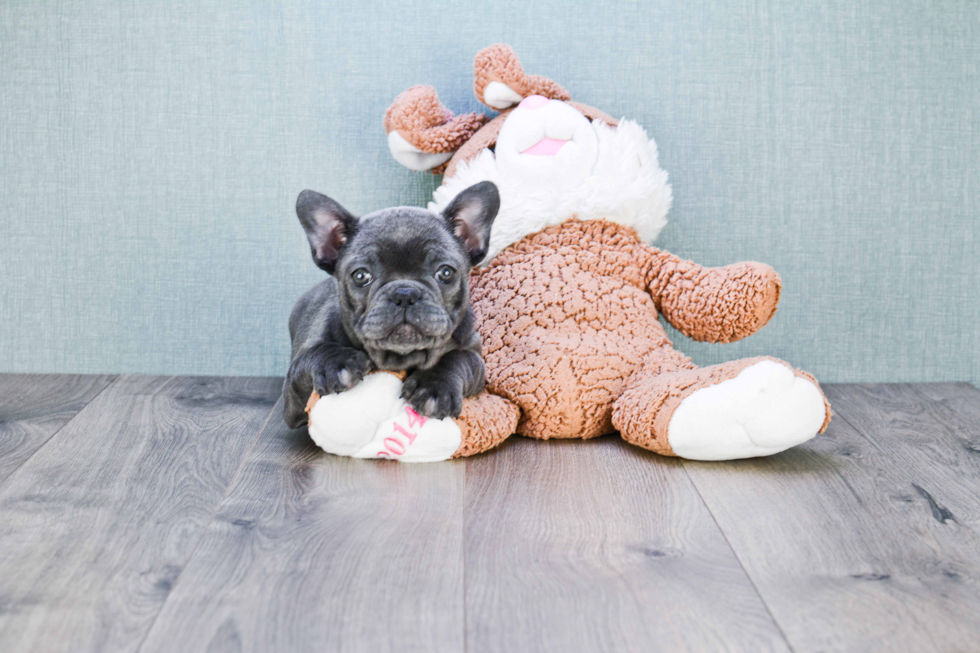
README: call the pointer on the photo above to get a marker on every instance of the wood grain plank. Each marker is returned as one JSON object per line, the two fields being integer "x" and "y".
{"x": 96, "y": 526}
{"x": 846, "y": 551}
{"x": 34, "y": 406}
{"x": 600, "y": 546}
{"x": 311, "y": 551}
{"x": 933, "y": 430}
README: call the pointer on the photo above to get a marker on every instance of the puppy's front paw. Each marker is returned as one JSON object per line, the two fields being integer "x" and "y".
{"x": 432, "y": 395}
{"x": 340, "y": 371}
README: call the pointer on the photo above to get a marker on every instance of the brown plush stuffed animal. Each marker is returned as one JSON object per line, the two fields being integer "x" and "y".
{"x": 569, "y": 295}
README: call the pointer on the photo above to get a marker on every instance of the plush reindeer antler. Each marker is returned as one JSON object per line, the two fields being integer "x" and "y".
{"x": 422, "y": 133}
{"x": 500, "y": 81}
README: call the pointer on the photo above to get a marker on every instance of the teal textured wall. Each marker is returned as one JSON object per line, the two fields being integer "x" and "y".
{"x": 151, "y": 152}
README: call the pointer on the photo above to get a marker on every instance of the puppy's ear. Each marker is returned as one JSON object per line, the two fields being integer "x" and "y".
{"x": 328, "y": 226}
{"x": 470, "y": 216}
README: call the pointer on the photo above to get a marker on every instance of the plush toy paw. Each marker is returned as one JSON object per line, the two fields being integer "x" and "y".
{"x": 371, "y": 420}
{"x": 763, "y": 410}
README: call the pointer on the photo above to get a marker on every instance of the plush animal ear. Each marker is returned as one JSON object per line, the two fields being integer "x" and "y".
{"x": 470, "y": 216}
{"x": 328, "y": 227}
{"x": 422, "y": 133}
{"x": 499, "y": 80}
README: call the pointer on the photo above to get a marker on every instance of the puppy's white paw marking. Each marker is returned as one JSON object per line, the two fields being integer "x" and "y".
{"x": 345, "y": 378}
{"x": 430, "y": 406}
{"x": 762, "y": 411}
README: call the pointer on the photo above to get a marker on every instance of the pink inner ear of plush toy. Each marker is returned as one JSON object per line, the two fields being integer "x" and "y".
{"x": 545, "y": 147}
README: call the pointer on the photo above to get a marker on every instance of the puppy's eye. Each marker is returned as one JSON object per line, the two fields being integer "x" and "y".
{"x": 361, "y": 277}
{"x": 446, "y": 274}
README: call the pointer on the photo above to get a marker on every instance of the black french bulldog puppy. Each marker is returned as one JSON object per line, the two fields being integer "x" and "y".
{"x": 398, "y": 299}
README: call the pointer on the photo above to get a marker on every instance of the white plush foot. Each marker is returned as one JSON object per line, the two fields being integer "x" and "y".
{"x": 764, "y": 410}
{"x": 371, "y": 420}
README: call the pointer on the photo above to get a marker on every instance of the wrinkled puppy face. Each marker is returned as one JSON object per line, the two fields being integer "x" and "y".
{"x": 403, "y": 273}
{"x": 404, "y": 280}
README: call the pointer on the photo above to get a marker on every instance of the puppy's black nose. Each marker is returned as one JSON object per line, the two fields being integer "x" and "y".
{"x": 405, "y": 296}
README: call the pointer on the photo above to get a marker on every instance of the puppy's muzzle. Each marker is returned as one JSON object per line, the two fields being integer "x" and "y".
{"x": 404, "y": 295}
{"x": 405, "y": 315}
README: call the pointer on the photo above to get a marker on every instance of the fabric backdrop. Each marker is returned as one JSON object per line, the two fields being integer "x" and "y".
{"x": 151, "y": 153}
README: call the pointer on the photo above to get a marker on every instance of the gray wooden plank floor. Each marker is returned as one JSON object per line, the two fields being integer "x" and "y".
{"x": 180, "y": 514}
{"x": 97, "y": 524}
{"x": 599, "y": 546}
{"x": 842, "y": 541}
{"x": 34, "y": 406}
{"x": 315, "y": 552}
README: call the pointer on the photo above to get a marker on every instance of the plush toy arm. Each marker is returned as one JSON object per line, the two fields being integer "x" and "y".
{"x": 712, "y": 304}
{"x": 486, "y": 421}
{"x": 371, "y": 421}
{"x": 422, "y": 133}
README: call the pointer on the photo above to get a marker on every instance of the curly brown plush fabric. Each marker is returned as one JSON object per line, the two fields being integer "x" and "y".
{"x": 565, "y": 319}
{"x": 714, "y": 304}
{"x": 570, "y": 330}
{"x": 499, "y": 63}
{"x": 483, "y": 139}
{"x": 569, "y": 316}
{"x": 422, "y": 120}
{"x": 486, "y": 421}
